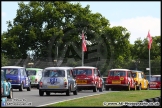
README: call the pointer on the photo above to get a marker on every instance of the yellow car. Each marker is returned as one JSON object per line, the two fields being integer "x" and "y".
{"x": 140, "y": 79}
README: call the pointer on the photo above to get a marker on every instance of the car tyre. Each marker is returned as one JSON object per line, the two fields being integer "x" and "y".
{"x": 101, "y": 89}
{"x": 139, "y": 87}
{"x": 21, "y": 87}
{"x": 11, "y": 94}
{"x": 48, "y": 93}
{"x": 128, "y": 87}
{"x": 95, "y": 89}
{"x": 148, "y": 88}
{"x": 107, "y": 88}
{"x": 68, "y": 92}
{"x": 29, "y": 88}
{"x": 41, "y": 93}
{"x": 75, "y": 92}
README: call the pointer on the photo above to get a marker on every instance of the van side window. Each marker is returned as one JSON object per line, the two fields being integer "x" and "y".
{"x": 69, "y": 73}
{"x": 21, "y": 72}
{"x": 129, "y": 74}
{"x": 142, "y": 75}
{"x": 95, "y": 72}
{"x": 139, "y": 74}
{"x": 24, "y": 72}
{"x": 40, "y": 72}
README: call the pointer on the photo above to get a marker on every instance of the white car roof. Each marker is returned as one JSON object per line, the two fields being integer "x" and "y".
{"x": 155, "y": 75}
{"x": 83, "y": 67}
{"x": 59, "y": 68}
{"x": 119, "y": 69}
{"x": 12, "y": 67}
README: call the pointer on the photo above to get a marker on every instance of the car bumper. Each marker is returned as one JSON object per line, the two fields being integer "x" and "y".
{"x": 16, "y": 86}
{"x": 34, "y": 84}
{"x": 155, "y": 88}
{"x": 116, "y": 85}
{"x": 53, "y": 90}
{"x": 86, "y": 86}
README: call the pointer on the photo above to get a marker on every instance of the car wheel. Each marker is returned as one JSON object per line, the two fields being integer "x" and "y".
{"x": 75, "y": 92}
{"x": 21, "y": 87}
{"x": 95, "y": 89}
{"x": 68, "y": 91}
{"x": 38, "y": 86}
{"x": 107, "y": 88}
{"x": 148, "y": 87}
{"x": 101, "y": 89}
{"x": 128, "y": 87}
{"x": 139, "y": 87}
{"x": 48, "y": 93}
{"x": 29, "y": 88}
{"x": 135, "y": 87}
{"x": 41, "y": 93}
{"x": 11, "y": 94}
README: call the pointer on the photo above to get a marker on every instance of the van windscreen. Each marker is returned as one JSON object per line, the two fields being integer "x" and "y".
{"x": 31, "y": 72}
{"x": 10, "y": 71}
{"x": 82, "y": 71}
{"x": 117, "y": 73}
{"x": 153, "y": 78}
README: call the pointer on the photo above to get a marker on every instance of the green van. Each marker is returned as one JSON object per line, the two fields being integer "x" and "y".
{"x": 35, "y": 74}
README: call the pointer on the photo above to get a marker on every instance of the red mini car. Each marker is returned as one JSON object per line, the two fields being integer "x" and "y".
{"x": 155, "y": 82}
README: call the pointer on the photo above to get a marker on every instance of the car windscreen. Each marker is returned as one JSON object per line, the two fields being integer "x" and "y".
{"x": 155, "y": 78}
{"x": 31, "y": 72}
{"x": 82, "y": 71}
{"x": 10, "y": 71}
{"x": 54, "y": 73}
{"x": 117, "y": 73}
{"x": 134, "y": 75}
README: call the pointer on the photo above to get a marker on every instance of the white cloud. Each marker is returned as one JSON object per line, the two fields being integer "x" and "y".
{"x": 139, "y": 26}
{"x": 3, "y": 14}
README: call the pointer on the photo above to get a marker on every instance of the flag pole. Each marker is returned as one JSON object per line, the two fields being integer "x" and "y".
{"x": 149, "y": 65}
{"x": 82, "y": 58}
{"x": 82, "y": 51}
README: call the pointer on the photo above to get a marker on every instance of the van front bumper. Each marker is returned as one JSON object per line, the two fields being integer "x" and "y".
{"x": 85, "y": 86}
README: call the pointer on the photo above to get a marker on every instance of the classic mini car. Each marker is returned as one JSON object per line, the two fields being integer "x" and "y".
{"x": 6, "y": 88}
{"x": 88, "y": 78}
{"x": 18, "y": 77}
{"x": 35, "y": 74}
{"x": 57, "y": 80}
{"x": 140, "y": 79}
{"x": 155, "y": 82}
{"x": 120, "y": 79}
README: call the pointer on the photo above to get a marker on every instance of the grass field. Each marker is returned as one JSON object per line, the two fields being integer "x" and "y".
{"x": 123, "y": 96}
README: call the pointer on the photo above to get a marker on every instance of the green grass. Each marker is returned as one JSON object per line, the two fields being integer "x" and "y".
{"x": 123, "y": 96}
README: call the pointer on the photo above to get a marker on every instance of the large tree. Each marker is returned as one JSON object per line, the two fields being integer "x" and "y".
{"x": 39, "y": 26}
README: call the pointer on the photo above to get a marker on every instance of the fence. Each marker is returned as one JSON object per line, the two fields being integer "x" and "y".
{"x": 102, "y": 64}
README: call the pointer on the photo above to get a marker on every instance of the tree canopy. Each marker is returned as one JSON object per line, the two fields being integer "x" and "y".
{"x": 41, "y": 27}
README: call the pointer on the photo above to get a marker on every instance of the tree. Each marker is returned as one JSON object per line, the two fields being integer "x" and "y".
{"x": 4, "y": 60}
{"x": 40, "y": 26}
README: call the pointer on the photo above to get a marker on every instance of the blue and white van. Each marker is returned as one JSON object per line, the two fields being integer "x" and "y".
{"x": 18, "y": 77}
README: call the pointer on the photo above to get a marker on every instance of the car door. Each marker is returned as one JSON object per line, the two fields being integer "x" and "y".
{"x": 99, "y": 78}
{"x": 39, "y": 74}
{"x": 95, "y": 75}
{"x": 22, "y": 78}
{"x": 70, "y": 79}
{"x": 131, "y": 79}
{"x": 143, "y": 81}
{"x": 26, "y": 78}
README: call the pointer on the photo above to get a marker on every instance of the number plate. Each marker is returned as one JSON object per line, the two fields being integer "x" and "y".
{"x": 116, "y": 82}
{"x": 81, "y": 81}
{"x": 52, "y": 87}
